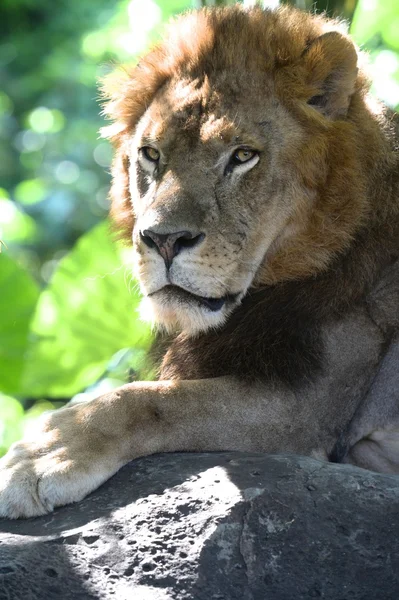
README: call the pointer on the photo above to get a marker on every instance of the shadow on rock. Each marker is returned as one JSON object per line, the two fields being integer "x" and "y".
{"x": 214, "y": 526}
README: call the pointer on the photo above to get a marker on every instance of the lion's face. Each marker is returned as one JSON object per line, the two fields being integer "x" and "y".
{"x": 212, "y": 188}
{"x": 237, "y": 152}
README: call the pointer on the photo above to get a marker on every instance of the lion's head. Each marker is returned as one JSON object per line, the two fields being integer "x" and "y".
{"x": 237, "y": 157}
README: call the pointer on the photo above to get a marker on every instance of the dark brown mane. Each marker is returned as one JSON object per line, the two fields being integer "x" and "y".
{"x": 275, "y": 333}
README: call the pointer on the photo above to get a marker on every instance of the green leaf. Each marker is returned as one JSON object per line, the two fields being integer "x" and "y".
{"x": 375, "y": 26}
{"x": 30, "y": 191}
{"x": 15, "y": 225}
{"x": 18, "y": 297}
{"x": 373, "y": 18}
{"x": 44, "y": 120}
{"x": 11, "y": 421}
{"x": 172, "y": 7}
{"x": 88, "y": 312}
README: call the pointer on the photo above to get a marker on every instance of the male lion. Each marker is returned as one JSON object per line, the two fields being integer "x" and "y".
{"x": 260, "y": 185}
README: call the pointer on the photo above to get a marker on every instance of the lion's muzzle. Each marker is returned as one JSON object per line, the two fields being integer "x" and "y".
{"x": 169, "y": 245}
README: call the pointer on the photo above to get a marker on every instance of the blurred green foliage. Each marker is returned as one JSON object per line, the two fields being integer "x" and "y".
{"x": 82, "y": 330}
{"x": 18, "y": 297}
{"x": 52, "y": 163}
{"x": 375, "y": 27}
{"x": 83, "y": 317}
{"x": 68, "y": 305}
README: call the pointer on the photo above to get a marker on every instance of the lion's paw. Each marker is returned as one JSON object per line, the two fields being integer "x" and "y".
{"x": 20, "y": 489}
{"x": 55, "y": 468}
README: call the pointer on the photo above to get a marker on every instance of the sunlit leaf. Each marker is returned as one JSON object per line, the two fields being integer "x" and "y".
{"x": 15, "y": 225}
{"x": 376, "y": 18}
{"x": 88, "y": 312}
{"x": 41, "y": 119}
{"x": 94, "y": 44}
{"x": 12, "y": 414}
{"x": 30, "y": 191}
{"x": 18, "y": 297}
{"x": 375, "y": 26}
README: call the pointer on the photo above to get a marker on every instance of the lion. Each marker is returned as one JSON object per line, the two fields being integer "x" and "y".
{"x": 258, "y": 183}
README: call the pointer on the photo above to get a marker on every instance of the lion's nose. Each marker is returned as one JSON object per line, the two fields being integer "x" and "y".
{"x": 170, "y": 244}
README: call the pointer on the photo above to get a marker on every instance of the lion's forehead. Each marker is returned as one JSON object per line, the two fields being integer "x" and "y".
{"x": 185, "y": 113}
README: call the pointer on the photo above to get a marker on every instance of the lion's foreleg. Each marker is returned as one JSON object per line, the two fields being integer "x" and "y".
{"x": 79, "y": 447}
{"x": 208, "y": 414}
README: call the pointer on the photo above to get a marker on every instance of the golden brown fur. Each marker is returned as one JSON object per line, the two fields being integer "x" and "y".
{"x": 337, "y": 161}
{"x": 259, "y": 184}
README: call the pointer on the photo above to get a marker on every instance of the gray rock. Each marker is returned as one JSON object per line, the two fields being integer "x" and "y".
{"x": 219, "y": 526}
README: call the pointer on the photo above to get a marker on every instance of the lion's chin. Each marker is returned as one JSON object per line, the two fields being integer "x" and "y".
{"x": 175, "y": 309}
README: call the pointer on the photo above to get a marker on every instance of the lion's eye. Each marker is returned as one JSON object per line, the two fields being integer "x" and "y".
{"x": 150, "y": 153}
{"x": 242, "y": 155}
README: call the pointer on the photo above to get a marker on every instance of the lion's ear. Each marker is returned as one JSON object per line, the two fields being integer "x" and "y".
{"x": 330, "y": 64}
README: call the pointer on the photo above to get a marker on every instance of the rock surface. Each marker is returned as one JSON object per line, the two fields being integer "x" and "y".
{"x": 221, "y": 526}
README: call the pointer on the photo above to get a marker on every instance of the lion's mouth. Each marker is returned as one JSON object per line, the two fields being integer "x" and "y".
{"x": 173, "y": 292}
